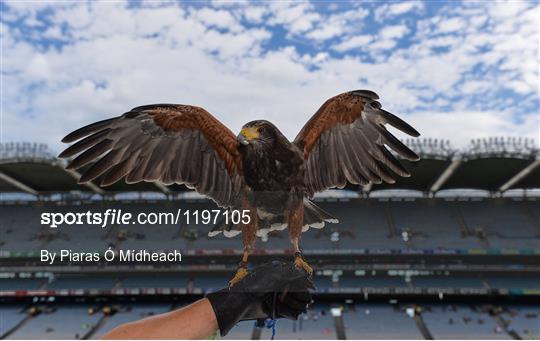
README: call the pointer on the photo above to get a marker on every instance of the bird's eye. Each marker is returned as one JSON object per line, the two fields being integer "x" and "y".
{"x": 261, "y": 129}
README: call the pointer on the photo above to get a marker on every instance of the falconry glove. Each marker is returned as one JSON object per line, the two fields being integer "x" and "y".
{"x": 274, "y": 290}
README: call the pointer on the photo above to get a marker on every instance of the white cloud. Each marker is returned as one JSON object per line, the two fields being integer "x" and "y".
{"x": 54, "y": 33}
{"x": 381, "y": 44}
{"x": 388, "y": 11}
{"x": 463, "y": 126}
{"x": 297, "y": 17}
{"x": 505, "y": 45}
{"x": 393, "y": 32}
{"x": 118, "y": 58}
{"x": 387, "y": 38}
{"x": 451, "y": 25}
{"x": 255, "y": 13}
{"x": 354, "y": 42}
{"x": 475, "y": 86}
{"x": 219, "y": 18}
{"x": 38, "y": 68}
{"x": 507, "y": 9}
{"x": 339, "y": 24}
{"x": 325, "y": 32}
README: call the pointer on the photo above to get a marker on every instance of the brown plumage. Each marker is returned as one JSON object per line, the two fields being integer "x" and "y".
{"x": 164, "y": 142}
{"x": 258, "y": 170}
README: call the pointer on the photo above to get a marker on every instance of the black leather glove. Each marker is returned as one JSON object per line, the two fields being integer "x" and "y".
{"x": 274, "y": 290}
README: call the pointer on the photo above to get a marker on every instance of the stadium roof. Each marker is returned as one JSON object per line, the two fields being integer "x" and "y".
{"x": 494, "y": 164}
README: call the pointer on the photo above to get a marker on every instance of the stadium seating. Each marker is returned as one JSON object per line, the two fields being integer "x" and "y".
{"x": 94, "y": 282}
{"x": 361, "y": 321}
{"x": 210, "y": 283}
{"x": 460, "y": 322}
{"x": 371, "y": 282}
{"x": 415, "y": 218}
{"x": 376, "y": 321}
{"x": 514, "y": 282}
{"x": 12, "y": 236}
{"x": 364, "y": 224}
{"x": 21, "y": 283}
{"x": 387, "y": 236}
{"x": 492, "y": 220}
{"x": 129, "y": 313}
{"x": 524, "y": 320}
{"x": 10, "y": 316}
{"x": 66, "y": 322}
{"x": 448, "y": 282}
{"x": 162, "y": 281}
{"x": 316, "y": 324}
{"x": 242, "y": 331}
{"x": 323, "y": 282}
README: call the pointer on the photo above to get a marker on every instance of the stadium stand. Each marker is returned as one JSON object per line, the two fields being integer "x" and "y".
{"x": 459, "y": 321}
{"x": 361, "y": 321}
{"x": 93, "y": 282}
{"x": 524, "y": 320}
{"x": 364, "y": 224}
{"x": 242, "y": 331}
{"x": 372, "y": 321}
{"x": 490, "y": 221}
{"x": 418, "y": 230}
{"x": 511, "y": 282}
{"x": 21, "y": 283}
{"x": 317, "y": 324}
{"x": 437, "y": 246}
{"x": 66, "y": 322}
{"x": 128, "y": 313}
{"x": 11, "y": 316}
{"x": 155, "y": 282}
{"x": 448, "y": 282}
{"x": 371, "y": 282}
{"x": 373, "y": 231}
{"x": 209, "y": 283}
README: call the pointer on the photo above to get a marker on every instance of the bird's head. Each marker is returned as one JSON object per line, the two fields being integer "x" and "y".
{"x": 257, "y": 132}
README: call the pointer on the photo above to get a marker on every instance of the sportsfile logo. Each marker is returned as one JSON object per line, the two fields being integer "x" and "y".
{"x": 119, "y": 217}
{"x": 110, "y": 216}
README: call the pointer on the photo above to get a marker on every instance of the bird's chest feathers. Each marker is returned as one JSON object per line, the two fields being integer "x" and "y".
{"x": 262, "y": 172}
{"x": 266, "y": 171}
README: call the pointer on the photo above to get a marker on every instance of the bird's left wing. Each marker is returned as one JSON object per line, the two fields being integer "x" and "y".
{"x": 345, "y": 141}
{"x": 171, "y": 143}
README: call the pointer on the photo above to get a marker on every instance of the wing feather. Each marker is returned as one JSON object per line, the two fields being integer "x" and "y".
{"x": 170, "y": 143}
{"x": 346, "y": 139}
{"x": 90, "y": 154}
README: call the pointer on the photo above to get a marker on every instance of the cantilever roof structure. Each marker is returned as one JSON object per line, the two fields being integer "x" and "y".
{"x": 494, "y": 164}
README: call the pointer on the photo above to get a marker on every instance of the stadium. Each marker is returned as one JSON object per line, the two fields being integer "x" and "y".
{"x": 452, "y": 252}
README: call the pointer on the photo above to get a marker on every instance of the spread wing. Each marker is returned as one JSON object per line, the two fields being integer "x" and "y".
{"x": 345, "y": 141}
{"x": 170, "y": 143}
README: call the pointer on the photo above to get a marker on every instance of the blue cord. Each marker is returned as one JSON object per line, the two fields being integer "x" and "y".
{"x": 270, "y": 323}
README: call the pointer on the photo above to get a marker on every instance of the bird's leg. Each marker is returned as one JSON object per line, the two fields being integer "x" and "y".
{"x": 299, "y": 261}
{"x": 296, "y": 219}
{"x": 249, "y": 231}
{"x": 241, "y": 270}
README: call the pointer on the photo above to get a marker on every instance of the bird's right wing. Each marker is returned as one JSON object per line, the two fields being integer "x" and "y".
{"x": 345, "y": 141}
{"x": 170, "y": 143}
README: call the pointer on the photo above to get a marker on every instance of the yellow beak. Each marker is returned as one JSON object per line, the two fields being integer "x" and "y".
{"x": 250, "y": 133}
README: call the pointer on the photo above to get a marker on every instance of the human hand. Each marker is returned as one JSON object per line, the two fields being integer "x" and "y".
{"x": 273, "y": 290}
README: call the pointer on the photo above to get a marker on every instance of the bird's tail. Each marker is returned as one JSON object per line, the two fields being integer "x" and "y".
{"x": 226, "y": 226}
{"x": 314, "y": 216}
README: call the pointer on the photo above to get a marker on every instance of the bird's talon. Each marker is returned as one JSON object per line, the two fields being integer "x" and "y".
{"x": 302, "y": 264}
{"x": 238, "y": 276}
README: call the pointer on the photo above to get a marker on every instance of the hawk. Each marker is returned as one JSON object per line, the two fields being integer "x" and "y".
{"x": 259, "y": 170}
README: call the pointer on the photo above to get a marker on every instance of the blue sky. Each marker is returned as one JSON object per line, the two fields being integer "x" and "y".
{"x": 455, "y": 70}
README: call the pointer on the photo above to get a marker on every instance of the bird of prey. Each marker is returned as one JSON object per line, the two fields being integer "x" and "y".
{"x": 258, "y": 170}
